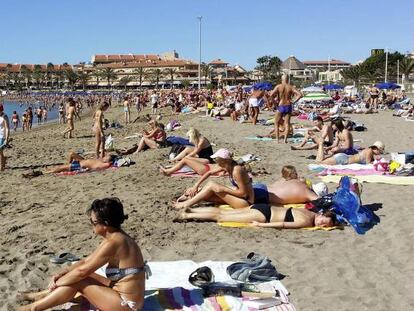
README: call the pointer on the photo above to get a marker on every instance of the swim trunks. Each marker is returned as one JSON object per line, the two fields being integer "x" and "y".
{"x": 350, "y": 151}
{"x": 285, "y": 109}
{"x": 261, "y": 195}
{"x": 75, "y": 166}
{"x": 253, "y": 102}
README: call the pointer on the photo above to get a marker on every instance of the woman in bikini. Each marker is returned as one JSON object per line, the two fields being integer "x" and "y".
{"x": 127, "y": 110}
{"x": 365, "y": 156}
{"x": 71, "y": 113}
{"x": 202, "y": 148}
{"x": 242, "y": 194}
{"x": 261, "y": 215}
{"x": 97, "y": 129}
{"x": 123, "y": 287}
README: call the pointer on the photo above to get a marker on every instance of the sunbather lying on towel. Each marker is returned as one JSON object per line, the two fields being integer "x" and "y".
{"x": 261, "y": 215}
{"x": 243, "y": 193}
{"x": 365, "y": 156}
{"x": 290, "y": 189}
{"x": 77, "y": 163}
{"x": 123, "y": 287}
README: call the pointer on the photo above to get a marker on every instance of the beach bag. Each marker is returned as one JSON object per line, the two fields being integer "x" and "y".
{"x": 109, "y": 143}
{"x": 254, "y": 268}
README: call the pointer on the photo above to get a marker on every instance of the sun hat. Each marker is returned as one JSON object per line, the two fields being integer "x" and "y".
{"x": 380, "y": 145}
{"x": 223, "y": 154}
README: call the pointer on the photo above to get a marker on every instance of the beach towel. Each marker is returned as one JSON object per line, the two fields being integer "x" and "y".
{"x": 343, "y": 172}
{"x": 379, "y": 179}
{"x": 317, "y": 167}
{"x": 169, "y": 289}
{"x": 229, "y": 224}
{"x": 294, "y": 140}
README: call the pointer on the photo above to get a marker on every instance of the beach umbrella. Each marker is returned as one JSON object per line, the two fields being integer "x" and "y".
{"x": 264, "y": 86}
{"x": 312, "y": 89}
{"x": 387, "y": 86}
{"x": 316, "y": 97}
{"x": 333, "y": 87}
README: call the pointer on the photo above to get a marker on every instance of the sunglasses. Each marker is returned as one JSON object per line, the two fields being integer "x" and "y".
{"x": 93, "y": 222}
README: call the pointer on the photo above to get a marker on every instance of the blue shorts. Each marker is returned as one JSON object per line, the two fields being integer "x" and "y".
{"x": 285, "y": 109}
{"x": 341, "y": 158}
{"x": 351, "y": 151}
{"x": 75, "y": 166}
{"x": 2, "y": 142}
{"x": 261, "y": 195}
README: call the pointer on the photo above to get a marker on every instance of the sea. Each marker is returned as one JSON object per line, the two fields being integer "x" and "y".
{"x": 9, "y": 107}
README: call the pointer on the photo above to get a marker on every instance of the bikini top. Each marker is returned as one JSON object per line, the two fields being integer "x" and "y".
{"x": 116, "y": 274}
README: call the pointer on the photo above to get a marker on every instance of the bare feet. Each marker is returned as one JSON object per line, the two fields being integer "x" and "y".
{"x": 163, "y": 171}
{"x": 31, "y": 296}
{"x": 181, "y": 216}
{"x": 180, "y": 205}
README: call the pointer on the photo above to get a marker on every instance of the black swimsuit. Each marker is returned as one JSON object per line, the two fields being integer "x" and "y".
{"x": 289, "y": 215}
{"x": 206, "y": 153}
{"x": 265, "y": 209}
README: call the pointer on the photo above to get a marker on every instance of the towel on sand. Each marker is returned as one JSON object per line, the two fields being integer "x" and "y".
{"x": 168, "y": 289}
{"x": 247, "y": 225}
{"x": 379, "y": 179}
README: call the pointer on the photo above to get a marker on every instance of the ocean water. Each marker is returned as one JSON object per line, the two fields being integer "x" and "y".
{"x": 9, "y": 107}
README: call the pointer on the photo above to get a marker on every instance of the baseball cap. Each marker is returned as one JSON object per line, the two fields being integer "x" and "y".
{"x": 380, "y": 145}
{"x": 223, "y": 154}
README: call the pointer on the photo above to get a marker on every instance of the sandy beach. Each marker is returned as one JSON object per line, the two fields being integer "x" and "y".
{"x": 336, "y": 270}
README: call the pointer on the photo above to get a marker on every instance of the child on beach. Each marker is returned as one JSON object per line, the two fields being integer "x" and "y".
{"x": 15, "y": 120}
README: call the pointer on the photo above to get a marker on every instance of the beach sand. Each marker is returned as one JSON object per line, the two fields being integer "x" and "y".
{"x": 337, "y": 270}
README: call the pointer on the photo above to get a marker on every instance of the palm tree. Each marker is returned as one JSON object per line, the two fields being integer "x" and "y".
{"x": 108, "y": 74}
{"x": 59, "y": 75}
{"x": 50, "y": 68}
{"x": 406, "y": 67}
{"x": 141, "y": 74}
{"x": 38, "y": 75}
{"x": 84, "y": 76}
{"x": 170, "y": 72}
{"x": 206, "y": 71}
{"x": 27, "y": 74}
{"x": 17, "y": 80}
{"x": 353, "y": 73}
{"x": 125, "y": 80}
{"x": 156, "y": 75}
{"x": 71, "y": 76}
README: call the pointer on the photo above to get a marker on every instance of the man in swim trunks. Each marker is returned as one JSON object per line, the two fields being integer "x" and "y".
{"x": 77, "y": 163}
{"x": 286, "y": 95}
{"x": 254, "y": 104}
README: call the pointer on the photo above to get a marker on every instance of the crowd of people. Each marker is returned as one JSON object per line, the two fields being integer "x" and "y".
{"x": 256, "y": 204}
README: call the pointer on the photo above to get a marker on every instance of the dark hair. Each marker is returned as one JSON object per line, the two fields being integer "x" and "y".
{"x": 319, "y": 118}
{"x": 108, "y": 212}
{"x": 338, "y": 124}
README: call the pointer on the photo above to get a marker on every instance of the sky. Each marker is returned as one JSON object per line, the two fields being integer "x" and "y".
{"x": 58, "y": 31}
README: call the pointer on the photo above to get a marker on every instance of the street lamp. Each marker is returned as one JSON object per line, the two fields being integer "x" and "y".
{"x": 199, "y": 51}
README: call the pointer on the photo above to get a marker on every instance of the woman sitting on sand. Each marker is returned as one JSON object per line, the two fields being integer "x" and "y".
{"x": 242, "y": 195}
{"x": 123, "y": 287}
{"x": 261, "y": 215}
{"x": 365, "y": 156}
{"x": 202, "y": 148}
{"x": 154, "y": 139}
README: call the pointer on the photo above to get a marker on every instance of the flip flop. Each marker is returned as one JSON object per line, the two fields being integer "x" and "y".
{"x": 64, "y": 257}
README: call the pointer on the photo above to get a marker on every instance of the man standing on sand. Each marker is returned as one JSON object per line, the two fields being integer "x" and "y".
{"x": 285, "y": 93}
{"x": 4, "y": 136}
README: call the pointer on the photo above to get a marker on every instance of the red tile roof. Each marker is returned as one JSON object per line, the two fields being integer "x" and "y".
{"x": 218, "y": 61}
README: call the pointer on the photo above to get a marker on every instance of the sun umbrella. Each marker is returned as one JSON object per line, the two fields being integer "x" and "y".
{"x": 316, "y": 96}
{"x": 387, "y": 86}
{"x": 264, "y": 86}
{"x": 333, "y": 87}
{"x": 312, "y": 89}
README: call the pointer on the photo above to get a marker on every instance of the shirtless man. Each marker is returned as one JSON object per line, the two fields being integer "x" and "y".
{"x": 254, "y": 103}
{"x": 319, "y": 133}
{"x": 285, "y": 94}
{"x": 127, "y": 110}
{"x": 344, "y": 142}
{"x": 290, "y": 189}
{"x": 71, "y": 113}
{"x": 77, "y": 162}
